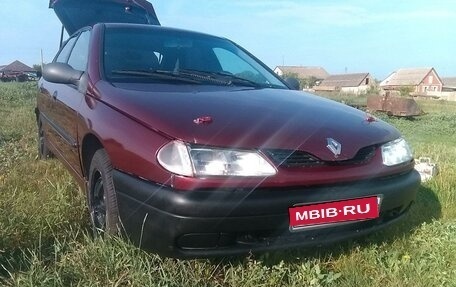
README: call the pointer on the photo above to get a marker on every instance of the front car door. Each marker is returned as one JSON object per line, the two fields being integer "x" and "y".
{"x": 60, "y": 111}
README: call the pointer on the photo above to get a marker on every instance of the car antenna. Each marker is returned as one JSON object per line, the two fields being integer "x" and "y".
{"x": 61, "y": 37}
{"x": 42, "y": 61}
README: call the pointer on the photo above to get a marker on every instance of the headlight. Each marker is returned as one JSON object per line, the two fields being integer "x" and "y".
{"x": 183, "y": 159}
{"x": 174, "y": 157}
{"x": 396, "y": 152}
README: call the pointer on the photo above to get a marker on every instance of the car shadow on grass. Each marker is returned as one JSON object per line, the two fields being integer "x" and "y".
{"x": 425, "y": 209}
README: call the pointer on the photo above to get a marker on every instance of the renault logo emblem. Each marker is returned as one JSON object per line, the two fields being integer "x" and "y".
{"x": 334, "y": 146}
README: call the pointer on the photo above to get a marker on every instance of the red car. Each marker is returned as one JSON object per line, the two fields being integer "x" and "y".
{"x": 193, "y": 147}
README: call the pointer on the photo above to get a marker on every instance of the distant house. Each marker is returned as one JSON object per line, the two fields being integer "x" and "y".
{"x": 309, "y": 75}
{"x": 449, "y": 84}
{"x": 16, "y": 71}
{"x": 420, "y": 80}
{"x": 302, "y": 71}
{"x": 357, "y": 83}
{"x": 16, "y": 67}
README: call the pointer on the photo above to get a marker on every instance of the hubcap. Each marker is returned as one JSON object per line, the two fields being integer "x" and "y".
{"x": 98, "y": 203}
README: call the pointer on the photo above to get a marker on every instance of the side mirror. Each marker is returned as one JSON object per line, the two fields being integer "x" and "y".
{"x": 61, "y": 73}
{"x": 292, "y": 83}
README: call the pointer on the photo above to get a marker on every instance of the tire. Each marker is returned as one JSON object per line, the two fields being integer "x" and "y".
{"x": 102, "y": 200}
{"x": 43, "y": 150}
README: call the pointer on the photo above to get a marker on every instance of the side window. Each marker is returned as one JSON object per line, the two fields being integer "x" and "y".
{"x": 65, "y": 52}
{"x": 79, "y": 54}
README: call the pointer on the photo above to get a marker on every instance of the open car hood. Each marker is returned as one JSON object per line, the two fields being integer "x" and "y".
{"x": 75, "y": 14}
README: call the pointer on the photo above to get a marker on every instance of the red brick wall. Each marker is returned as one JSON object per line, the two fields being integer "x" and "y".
{"x": 430, "y": 83}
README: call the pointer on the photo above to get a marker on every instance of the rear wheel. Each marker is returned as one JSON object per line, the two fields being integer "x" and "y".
{"x": 102, "y": 198}
{"x": 43, "y": 150}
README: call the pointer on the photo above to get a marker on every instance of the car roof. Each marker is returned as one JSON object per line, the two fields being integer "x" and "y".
{"x": 76, "y": 14}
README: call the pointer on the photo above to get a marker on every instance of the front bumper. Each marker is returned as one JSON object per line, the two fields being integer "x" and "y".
{"x": 223, "y": 222}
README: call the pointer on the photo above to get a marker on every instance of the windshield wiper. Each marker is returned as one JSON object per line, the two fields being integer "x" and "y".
{"x": 204, "y": 76}
{"x": 239, "y": 80}
{"x": 158, "y": 74}
{"x": 221, "y": 78}
{"x": 194, "y": 77}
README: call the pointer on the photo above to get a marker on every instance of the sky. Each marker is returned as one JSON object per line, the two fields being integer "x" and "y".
{"x": 354, "y": 36}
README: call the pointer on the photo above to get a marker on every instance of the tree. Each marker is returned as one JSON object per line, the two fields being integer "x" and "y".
{"x": 37, "y": 67}
{"x": 304, "y": 83}
{"x": 308, "y": 82}
{"x": 405, "y": 91}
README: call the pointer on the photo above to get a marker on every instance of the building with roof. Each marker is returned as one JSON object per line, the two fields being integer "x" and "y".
{"x": 16, "y": 71}
{"x": 449, "y": 84}
{"x": 309, "y": 76}
{"x": 419, "y": 80}
{"x": 16, "y": 66}
{"x": 356, "y": 83}
{"x": 302, "y": 71}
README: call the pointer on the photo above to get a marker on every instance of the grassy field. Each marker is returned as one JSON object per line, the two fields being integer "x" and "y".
{"x": 45, "y": 241}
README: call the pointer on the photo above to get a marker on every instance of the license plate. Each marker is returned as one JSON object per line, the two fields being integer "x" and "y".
{"x": 334, "y": 212}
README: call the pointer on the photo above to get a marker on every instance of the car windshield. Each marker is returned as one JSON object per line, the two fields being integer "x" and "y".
{"x": 154, "y": 54}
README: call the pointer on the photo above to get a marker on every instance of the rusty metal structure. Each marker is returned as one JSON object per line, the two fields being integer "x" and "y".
{"x": 394, "y": 105}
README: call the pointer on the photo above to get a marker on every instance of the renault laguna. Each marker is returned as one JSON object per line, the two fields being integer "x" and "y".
{"x": 192, "y": 147}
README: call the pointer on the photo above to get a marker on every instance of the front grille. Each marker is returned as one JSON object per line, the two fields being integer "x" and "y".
{"x": 290, "y": 158}
{"x": 364, "y": 155}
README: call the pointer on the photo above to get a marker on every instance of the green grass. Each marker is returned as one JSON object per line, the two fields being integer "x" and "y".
{"x": 44, "y": 231}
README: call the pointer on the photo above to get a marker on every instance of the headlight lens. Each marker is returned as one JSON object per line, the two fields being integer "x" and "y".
{"x": 396, "y": 152}
{"x": 174, "y": 157}
{"x": 182, "y": 159}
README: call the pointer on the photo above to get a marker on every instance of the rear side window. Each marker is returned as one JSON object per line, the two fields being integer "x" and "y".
{"x": 65, "y": 52}
{"x": 80, "y": 52}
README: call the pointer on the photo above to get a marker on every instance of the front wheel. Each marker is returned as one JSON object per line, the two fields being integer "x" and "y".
{"x": 102, "y": 198}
